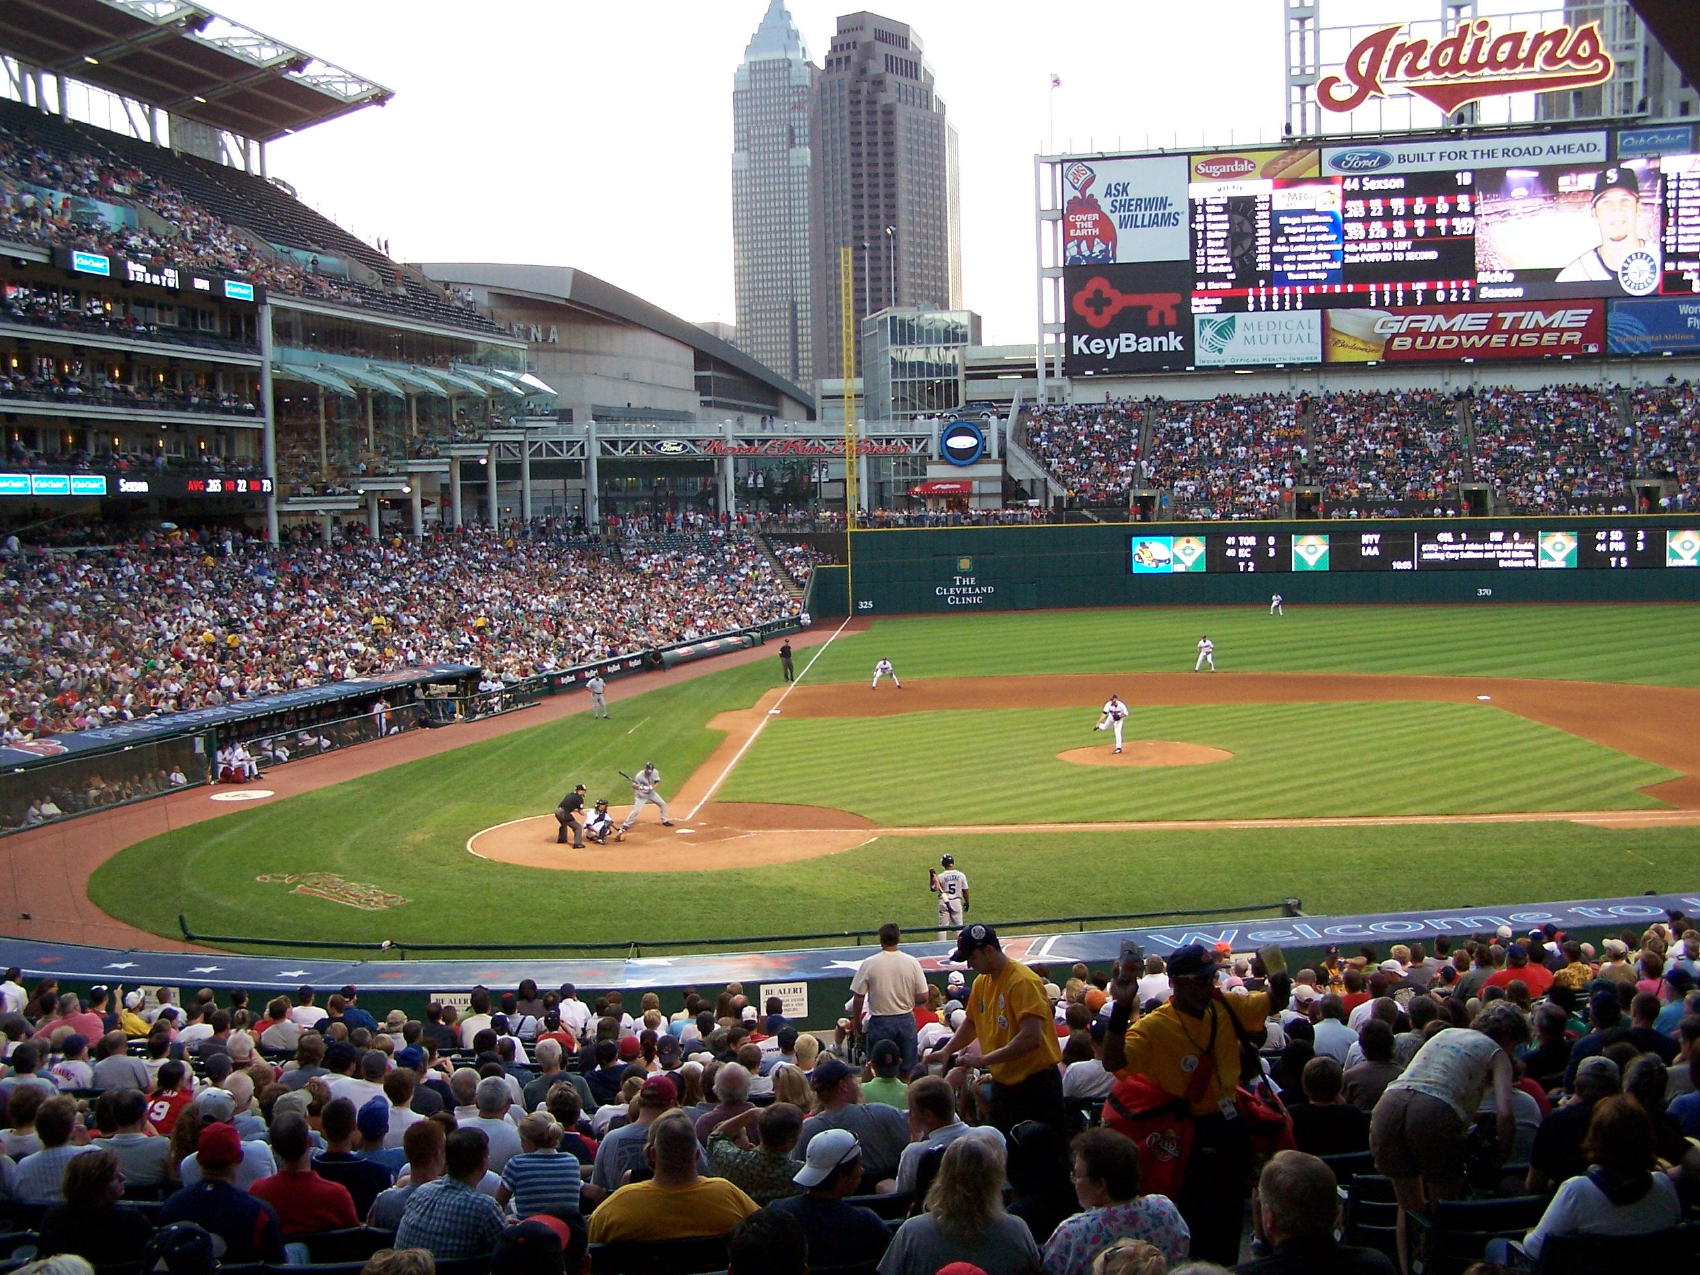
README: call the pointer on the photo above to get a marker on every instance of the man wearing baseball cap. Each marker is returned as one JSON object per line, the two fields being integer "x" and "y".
{"x": 1190, "y": 1048}
{"x": 1621, "y": 257}
{"x": 832, "y": 1170}
{"x": 248, "y": 1226}
{"x": 1009, "y": 1020}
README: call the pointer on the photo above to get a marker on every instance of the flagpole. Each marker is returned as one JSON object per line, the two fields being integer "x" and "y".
{"x": 1056, "y": 83}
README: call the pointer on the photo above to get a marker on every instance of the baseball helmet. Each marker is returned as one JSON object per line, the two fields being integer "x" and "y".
{"x": 947, "y": 861}
{"x": 601, "y": 802}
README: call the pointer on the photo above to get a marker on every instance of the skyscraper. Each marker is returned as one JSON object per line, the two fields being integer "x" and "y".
{"x": 884, "y": 182}
{"x": 771, "y": 100}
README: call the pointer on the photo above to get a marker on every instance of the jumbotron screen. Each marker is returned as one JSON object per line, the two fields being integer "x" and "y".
{"x": 1407, "y": 250}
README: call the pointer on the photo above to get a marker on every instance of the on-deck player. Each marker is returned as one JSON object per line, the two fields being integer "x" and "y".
{"x": 1206, "y": 654}
{"x": 1112, "y": 716}
{"x": 952, "y": 888}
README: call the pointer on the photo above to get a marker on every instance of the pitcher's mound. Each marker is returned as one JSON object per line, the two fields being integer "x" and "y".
{"x": 1146, "y": 752}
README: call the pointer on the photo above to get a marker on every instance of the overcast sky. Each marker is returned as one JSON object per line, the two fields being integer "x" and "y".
{"x": 594, "y": 135}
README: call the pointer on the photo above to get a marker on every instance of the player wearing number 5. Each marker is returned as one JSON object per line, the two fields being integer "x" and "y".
{"x": 1111, "y": 717}
{"x": 1206, "y": 654}
{"x": 952, "y": 888}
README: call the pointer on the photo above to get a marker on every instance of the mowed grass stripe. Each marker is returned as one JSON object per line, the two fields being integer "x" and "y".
{"x": 1647, "y": 643}
{"x": 1000, "y": 766}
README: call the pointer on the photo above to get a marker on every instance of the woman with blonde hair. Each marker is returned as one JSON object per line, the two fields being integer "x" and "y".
{"x": 541, "y": 1178}
{"x": 808, "y": 1049}
{"x": 965, "y": 1219}
{"x": 1131, "y": 1257}
{"x": 791, "y": 1085}
{"x": 400, "y": 1261}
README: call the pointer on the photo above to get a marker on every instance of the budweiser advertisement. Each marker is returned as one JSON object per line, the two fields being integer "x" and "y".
{"x": 1473, "y": 62}
{"x": 1449, "y": 333}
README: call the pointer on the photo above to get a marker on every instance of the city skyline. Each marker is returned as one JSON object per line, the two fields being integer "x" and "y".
{"x": 599, "y": 138}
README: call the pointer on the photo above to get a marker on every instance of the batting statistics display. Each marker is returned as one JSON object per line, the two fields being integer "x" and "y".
{"x": 1505, "y": 548}
{"x": 1400, "y": 250}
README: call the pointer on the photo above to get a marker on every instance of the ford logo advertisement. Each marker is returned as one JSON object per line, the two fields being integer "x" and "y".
{"x": 1360, "y": 161}
{"x": 962, "y": 442}
{"x": 672, "y": 447}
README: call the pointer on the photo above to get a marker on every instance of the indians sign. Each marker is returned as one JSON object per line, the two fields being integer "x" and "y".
{"x": 1470, "y": 64}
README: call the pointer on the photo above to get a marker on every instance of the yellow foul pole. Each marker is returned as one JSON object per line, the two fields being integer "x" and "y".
{"x": 847, "y": 356}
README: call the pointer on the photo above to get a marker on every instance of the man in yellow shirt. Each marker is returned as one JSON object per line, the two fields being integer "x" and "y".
{"x": 678, "y": 1202}
{"x": 1190, "y": 1047}
{"x": 1009, "y": 1020}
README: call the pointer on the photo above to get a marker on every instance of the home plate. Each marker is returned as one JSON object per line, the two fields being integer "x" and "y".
{"x": 1484, "y": 697}
{"x": 683, "y": 832}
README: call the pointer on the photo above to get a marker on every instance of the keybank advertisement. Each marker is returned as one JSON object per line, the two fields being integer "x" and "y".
{"x": 1241, "y": 340}
{"x": 1647, "y": 327}
{"x": 1121, "y": 210}
{"x": 1128, "y": 318}
{"x": 1489, "y": 330}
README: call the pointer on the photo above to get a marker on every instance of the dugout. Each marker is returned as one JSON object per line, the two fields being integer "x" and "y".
{"x": 113, "y": 765}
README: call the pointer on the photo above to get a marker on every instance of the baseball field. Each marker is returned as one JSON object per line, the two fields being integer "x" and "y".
{"x": 1358, "y": 758}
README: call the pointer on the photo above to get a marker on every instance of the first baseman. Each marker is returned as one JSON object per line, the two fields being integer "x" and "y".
{"x": 644, "y": 784}
{"x": 884, "y": 669}
{"x": 952, "y": 888}
{"x": 1113, "y": 715}
{"x": 1206, "y": 654}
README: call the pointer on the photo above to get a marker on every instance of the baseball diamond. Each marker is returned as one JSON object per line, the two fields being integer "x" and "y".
{"x": 810, "y": 791}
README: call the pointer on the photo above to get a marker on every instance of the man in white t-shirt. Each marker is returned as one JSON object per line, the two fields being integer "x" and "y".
{"x": 575, "y": 1014}
{"x": 304, "y": 1013}
{"x": 13, "y": 997}
{"x": 890, "y": 985}
{"x": 1154, "y": 986}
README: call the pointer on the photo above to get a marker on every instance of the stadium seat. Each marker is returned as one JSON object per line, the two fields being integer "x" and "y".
{"x": 1457, "y": 1232}
{"x": 890, "y": 1205}
{"x": 1673, "y": 1249}
{"x": 350, "y": 1244}
{"x": 659, "y": 1257}
{"x": 1371, "y": 1214}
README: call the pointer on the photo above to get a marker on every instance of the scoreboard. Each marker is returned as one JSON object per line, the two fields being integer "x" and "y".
{"x": 1397, "y": 250}
{"x": 1487, "y": 549}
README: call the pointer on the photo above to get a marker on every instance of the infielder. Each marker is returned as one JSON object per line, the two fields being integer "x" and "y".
{"x": 596, "y": 686}
{"x": 952, "y": 888}
{"x": 1275, "y": 604}
{"x": 884, "y": 669}
{"x": 644, "y": 784}
{"x": 1112, "y": 716}
{"x": 1206, "y": 654}
{"x": 600, "y": 826}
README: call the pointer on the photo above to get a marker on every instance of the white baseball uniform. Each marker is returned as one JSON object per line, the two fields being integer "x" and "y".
{"x": 1206, "y": 655}
{"x": 952, "y": 889}
{"x": 1115, "y": 712}
{"x": 644, "y": 785}
{"x": 1275, "y": 604}
{"x": 884, "y": 669}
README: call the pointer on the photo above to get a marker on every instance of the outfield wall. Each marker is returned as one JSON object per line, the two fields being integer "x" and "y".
{"x": 956, "y": 570}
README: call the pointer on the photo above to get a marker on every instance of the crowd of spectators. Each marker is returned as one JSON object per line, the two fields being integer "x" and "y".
{"x": 1502, "y": 1065}
{"x": 1666, "y": 420}
{"x": 78, "y": 385}
{"x": 54, "y": 184}
{"x": 175, "y": 620}
{"x": 1373, "y": 447}
{"x": 1562, "y": 449}
{"x": 1093, "y": 449}
{"x": 1234, "y": 456}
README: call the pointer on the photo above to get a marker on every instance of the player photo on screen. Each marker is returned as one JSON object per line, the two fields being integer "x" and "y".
{"x": 1555, "y": 232}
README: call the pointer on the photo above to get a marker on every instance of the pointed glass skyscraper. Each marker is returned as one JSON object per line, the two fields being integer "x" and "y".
{"x": 772, "y": 94}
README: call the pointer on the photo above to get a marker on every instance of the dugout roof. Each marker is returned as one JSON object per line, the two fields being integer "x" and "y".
{"x": 193, "y": 62}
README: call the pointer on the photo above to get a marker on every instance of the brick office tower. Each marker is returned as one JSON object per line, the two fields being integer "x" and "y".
{"x": 884, "y": 182}
{"x": 772, "y": 96}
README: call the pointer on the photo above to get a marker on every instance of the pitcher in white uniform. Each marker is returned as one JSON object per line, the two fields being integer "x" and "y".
{"x": 1111, "y": 717}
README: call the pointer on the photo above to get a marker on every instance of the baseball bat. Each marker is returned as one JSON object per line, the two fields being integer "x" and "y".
{"x": 623, "y": 775}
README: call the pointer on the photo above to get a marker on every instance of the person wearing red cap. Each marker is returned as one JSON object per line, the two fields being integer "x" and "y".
{"x": 622, "y": 1150}
{"x": 248, "y": 1226}
{"x": 1190, "y": 1048}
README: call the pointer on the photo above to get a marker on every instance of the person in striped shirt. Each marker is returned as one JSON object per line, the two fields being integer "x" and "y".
{"x": 542, "y": 1178}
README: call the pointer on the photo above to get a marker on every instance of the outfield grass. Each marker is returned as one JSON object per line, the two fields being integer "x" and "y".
{"x": 404, "y": 830}
{"x": 1291, "y": 761}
